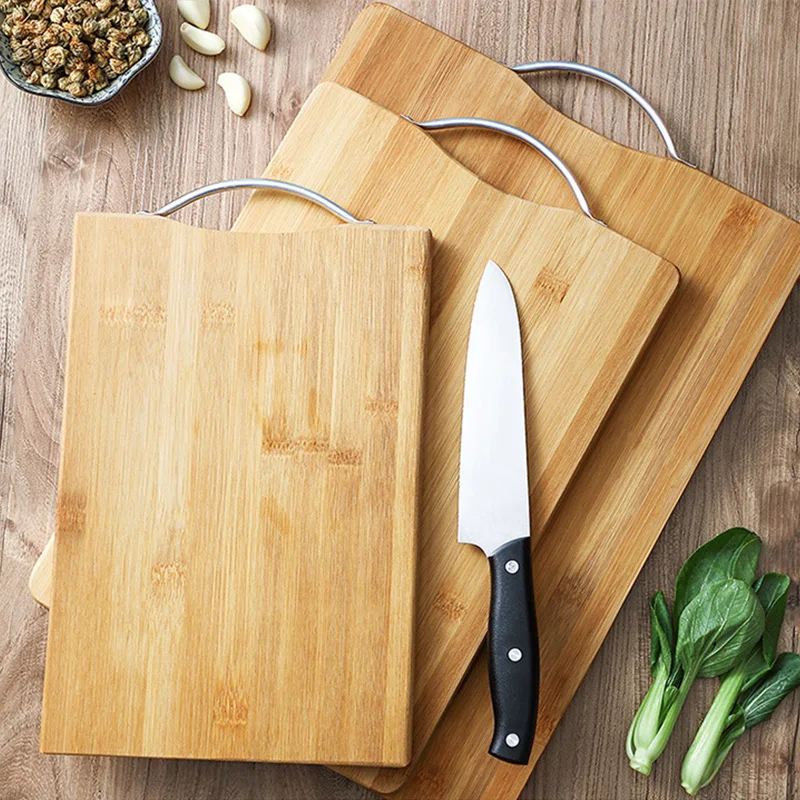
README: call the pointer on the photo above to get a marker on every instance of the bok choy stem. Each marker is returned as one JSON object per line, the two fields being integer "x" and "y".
{"x": 701, "y": 756}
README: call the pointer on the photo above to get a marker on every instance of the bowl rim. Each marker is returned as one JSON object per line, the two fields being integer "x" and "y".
{"x": 155, "y": 30}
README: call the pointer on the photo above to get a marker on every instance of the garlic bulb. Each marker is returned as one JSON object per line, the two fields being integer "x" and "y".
{"x": 253, "y": 24}
{"x": 237, "y": 92}
{"x": 183, "y": 75}
{"x": 198, "y": 12}
{"x": 205, "y": 42}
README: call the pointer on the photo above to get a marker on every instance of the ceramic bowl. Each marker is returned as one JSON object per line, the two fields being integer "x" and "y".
{"x": 154, "y": 29}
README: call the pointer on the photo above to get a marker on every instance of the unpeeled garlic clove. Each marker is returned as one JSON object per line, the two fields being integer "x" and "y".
{"x": 183, "y": 75}
{"x": 237, "y": 92}
{"x": 198, "y": 12}
{"x": 253, "y": 24}
{"x": 205, "y": 42}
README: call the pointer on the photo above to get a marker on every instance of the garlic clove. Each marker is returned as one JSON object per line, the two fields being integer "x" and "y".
{"x": 205, "y": 42}
{"x": 198, "y": 12}
{"x": 237, "y": 92}
{"x": 184, "y": 76}
{"x": 253, "y": 24}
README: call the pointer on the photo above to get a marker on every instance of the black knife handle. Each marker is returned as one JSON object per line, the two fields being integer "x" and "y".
{"x": 513, "y": 653}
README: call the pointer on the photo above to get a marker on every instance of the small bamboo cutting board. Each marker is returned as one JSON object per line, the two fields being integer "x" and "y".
{"x": 738, "y": 259}
{"x": 588, "y": 300}
{"x": 238, "y": 494}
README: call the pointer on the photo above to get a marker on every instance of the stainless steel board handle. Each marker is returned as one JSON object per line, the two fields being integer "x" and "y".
{"x": 515, "y": 133}
{"x": 606, "y": 77}
{"x": 257, "y": 183}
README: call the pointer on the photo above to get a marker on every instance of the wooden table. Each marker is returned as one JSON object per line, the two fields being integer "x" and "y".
{"x": 724, "y": 77}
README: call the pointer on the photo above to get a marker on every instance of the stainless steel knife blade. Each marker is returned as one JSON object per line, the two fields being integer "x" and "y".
{"x": 493, "y": 505}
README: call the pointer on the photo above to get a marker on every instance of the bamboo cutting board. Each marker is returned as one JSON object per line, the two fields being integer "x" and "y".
{"x": 738, "y": 261}
{"x": 238, "y": 494}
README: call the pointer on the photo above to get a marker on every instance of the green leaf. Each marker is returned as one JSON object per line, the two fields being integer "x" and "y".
{"x": 763, "y": 698}
{"x": 772, "y": 590}
{"x": 731, "y": 554}
{"x": 660, "y": 634}
{"x": 718, "y": 629}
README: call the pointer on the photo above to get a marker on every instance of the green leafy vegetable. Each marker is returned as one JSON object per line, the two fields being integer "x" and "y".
{"x": 710, "y": 748}
{"x": 731, "y": 554}
{"x": 726, "y": 719}
{"x": 716, "y": 631}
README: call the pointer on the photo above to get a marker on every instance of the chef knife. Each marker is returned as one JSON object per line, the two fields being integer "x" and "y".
{"x": 493, "y": 509}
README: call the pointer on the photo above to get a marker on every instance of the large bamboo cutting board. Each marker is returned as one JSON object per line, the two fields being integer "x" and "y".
{"x": 238, "y": 493}
{"x": 588, "y": 301}
{"x": 738, "y": 260}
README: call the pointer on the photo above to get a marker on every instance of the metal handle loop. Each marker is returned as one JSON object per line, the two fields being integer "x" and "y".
{"x": 612, "y": 80}
{"x": 515, "y": 133}
{"x": 257, "y": 183}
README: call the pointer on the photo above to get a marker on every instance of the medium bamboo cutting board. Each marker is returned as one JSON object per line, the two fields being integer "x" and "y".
{"x": 738, "y": 260}
{"x": 238, "y": 493}
{"x": 588, "y": 300}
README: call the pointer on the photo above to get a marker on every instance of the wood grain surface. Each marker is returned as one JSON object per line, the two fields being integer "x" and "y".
{"x": 721, "y": 74}
{"x": 238, "y": 494}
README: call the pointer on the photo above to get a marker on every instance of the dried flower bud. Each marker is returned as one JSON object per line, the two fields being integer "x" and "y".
{"x": 49, "y": 81}
{"x": 37, "y": 56}
{"x": 89, "y": 27}
{"x": 76, "y": 89}
{"x": 36, "y": 7}
{"x": 27, "y": 68}
{"x": 79, "y": 49}
{"x": 56, "y": 55}
{"x": 119, "y": 65}
{"x": 103, "y": 6}
{"x": 50, "y": 36}
{"x": 103, "y": 26}
{"x": 140, "y": 15}
{"x": 127, "y": 21}
{"x": 116, "y": 35}
{"x": 35, "y": 76}
{"x": 134, "y": 53}
{"x": 76, "y": 76}
{"x": 99, "y": 45}
{"x": 63, "y": 83}
{"x": 20, "y": 55}
{"x": 90, "y": 10}
{"x": 117, "y": 50}
{"x": 141, "y": 38}
{"x": 75, "y": 14}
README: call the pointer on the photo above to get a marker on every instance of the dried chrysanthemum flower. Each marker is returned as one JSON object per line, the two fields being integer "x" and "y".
{"x": 119, "y": 65}
{"x": 117, "y": 49}
{"x": 20, "y": 55}
{"x": 48, "y": 81}
{"x": 77, "y": 89}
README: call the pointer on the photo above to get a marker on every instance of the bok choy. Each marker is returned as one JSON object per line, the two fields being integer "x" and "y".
{"x": 697, "y": 639}
{"x": 748, "y": 694}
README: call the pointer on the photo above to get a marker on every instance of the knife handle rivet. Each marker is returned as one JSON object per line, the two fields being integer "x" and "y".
{"x": 512, "y": 567}
{"x": 515, "y": 654}
{"x": 512, "y": 740}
